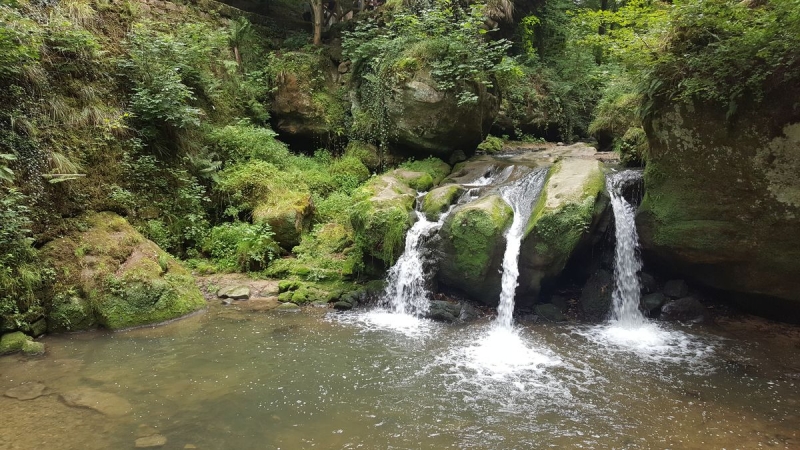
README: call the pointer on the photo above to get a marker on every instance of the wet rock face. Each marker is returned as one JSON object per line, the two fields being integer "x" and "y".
{"x": 722, "y": 199}
{"x": 684, "y": 309}
{"x": 471, "y": 248}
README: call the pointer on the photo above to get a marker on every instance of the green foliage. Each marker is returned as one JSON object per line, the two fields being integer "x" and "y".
{"x": 435, "y": 167}
{"x": 491, "y": 145}
{"x": 21, "y": 273}
{"x": 727, "y": 52}
{"x": 241, "y": 246}
{"x": 444, "y": 37}
{"x": 243, "y": 141}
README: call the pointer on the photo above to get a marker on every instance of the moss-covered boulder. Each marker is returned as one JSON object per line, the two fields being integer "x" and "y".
{"x": 423, "y": 120}
{"x": 381, "y": 217}
{"x": 13, "y": 342}
{"x": 110, "y": 275}
{"x": 472, "y": 247}
{"x": 288, "y": 215}
{"x": 568, "y": 212}
{"x": 439, "y": 200}
{"x": 304, "y": 103}
{"x": 722, "y": 198}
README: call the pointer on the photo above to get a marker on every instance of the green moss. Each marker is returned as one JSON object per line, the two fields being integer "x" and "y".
{"x": 491, "y": 145}
{"x": 557, "y": 233}
{"x": 284, "y": 297}
{"x": 435, "y": 167}
{"x": 123, "y": 281}
{"x": 287, "y": 285}
{"x": 366, "y": 153}
{"x": 32, "y": 348}
{"x": 13, "y": 342}
{"x": 438, "y": 200}
{"x": 474, "y": 232}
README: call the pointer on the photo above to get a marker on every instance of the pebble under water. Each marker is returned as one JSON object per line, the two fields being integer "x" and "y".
{"x": 230, "y": 379}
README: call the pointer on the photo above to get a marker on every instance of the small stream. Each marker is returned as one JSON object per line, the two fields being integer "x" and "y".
{"x": 318, "y": 379}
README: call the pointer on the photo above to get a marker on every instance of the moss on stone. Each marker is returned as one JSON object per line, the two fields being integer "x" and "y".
{"x": 438, "y": 200}
{"x": 122, "y": 279}
{"x": 435, "y": 167}
{"x": 32, "y": 348}
{"x": 381, "y": 217}
{"x": 288, "y": 215}
{"x": 13, "y": 342}
{"x": 472, "y": 239}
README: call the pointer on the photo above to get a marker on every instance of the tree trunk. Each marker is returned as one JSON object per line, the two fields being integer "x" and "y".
{"x": 316, "y": 8}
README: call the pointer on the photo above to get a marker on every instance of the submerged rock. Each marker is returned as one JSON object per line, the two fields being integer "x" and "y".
{"x": 287, "y": 307}
{"x": 102, "y": 402}
{"x": 155, "y": 440}
{"x": 722, "y": 197}
{"x": 111, "y": 275}
{"x": 26, "y": 391}
{"x": 549, "y": 312}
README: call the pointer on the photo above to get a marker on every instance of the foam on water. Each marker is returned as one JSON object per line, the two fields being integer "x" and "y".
{"x": 651, "y": 341}
{"x": 386, "y": 320}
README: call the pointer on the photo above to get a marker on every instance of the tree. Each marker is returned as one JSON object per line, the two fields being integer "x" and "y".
{"x": 317, "y": 10}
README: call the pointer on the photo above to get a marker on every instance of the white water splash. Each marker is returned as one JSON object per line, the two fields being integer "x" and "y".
{"x": 382, "y": 319}
{"x": 522, "y": 197}
{"x": 405, "y": 291}
{"x": 627, "y": 260}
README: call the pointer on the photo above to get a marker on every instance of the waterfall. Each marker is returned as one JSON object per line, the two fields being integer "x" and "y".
{"x": 521, "y": 196}
{"x": 405, "y": 284}
{"x": 627, "y": 260}
{"x": 405, "y": 291}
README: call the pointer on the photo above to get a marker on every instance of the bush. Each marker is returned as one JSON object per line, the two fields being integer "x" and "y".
{"x": 241, "y": 246}
{"x": 243, "y": 141}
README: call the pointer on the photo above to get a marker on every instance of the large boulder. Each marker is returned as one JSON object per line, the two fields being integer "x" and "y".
{"x": 567, "y": 214}
{"x": 422, "y": 120}
{"x": 110, "y": 275}
{"x": 472, "y": 248}
{"x": 288, "y": 215}
{"x": 382, "y": 215}
{"x": 438, "y": 200}
{"x": 304, "y": 105}
{"x": 722, "y": 200}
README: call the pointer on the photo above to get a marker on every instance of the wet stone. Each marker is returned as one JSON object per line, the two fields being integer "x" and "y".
{"x": 155, "y": 440}
{"x": 240, "y": 292}
{"x": 27, "y": 391}
{"x": 685, "y": 309}
{"x": 676, "y": 289}
{"x": 287, "y": 307}
{"x": 549, "y": 312}
{"x": 652, "y": 302}
{"x": 102, "y": 402}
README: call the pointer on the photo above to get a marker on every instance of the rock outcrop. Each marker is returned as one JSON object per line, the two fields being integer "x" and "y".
{"x": 110, "y": 275}
{"x": 722, "y": 201}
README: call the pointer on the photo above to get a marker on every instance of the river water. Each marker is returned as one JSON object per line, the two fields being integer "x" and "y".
{"x": 229, "y": 379}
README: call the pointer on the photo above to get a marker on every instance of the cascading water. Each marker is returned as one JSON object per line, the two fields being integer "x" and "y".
{"x": 521, "y": 196}
{"x": 405, "y": 284}
{"x": 627, "y": 261}
{"x": 405, "y": 291}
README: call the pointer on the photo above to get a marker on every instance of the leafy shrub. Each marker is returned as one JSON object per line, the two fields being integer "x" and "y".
{"x": 241, "y": 246}
{"x": 243, "y": 141}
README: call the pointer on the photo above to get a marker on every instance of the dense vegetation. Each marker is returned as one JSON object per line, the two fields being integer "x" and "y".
{"x": 163, "y": 115}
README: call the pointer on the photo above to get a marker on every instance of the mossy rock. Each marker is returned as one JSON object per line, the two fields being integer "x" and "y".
{"x": 419, "y": 181}
{"x": 110, "y": 274}
{"x": 382, "y": 216}
{"x": 32, "y": 348}
{"x": 288, "y": 215}
{"x": 367, "y": 153}
{"x": 13, "y": 342}
{"x": 563, "y": 221}
{"x": 472, "y": 247}
{"x": 722, "y": 199}
{"x": 435, "y": 167}
{"x": 491, "y": 145}
{"x": 439, "y": 200}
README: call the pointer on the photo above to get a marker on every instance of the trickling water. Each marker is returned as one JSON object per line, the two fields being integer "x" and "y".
{"x": 405, "y": 284}
{"x": 627, "y": 261}
{"x": 521, "y": 196}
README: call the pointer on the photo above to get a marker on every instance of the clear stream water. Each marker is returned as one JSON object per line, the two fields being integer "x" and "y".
{"x": 229, "y": 379}
{"x": 387, "y": 379}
